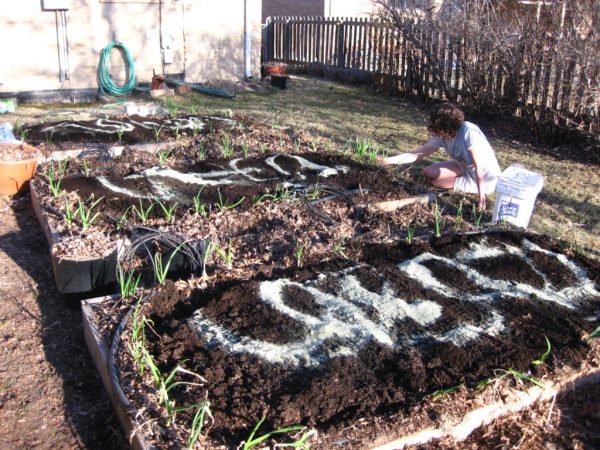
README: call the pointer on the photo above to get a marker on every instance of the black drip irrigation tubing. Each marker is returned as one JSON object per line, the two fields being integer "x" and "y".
{"x": 94, "y": 148}
{"x": 334, "y": 192}
{"x": 189, "y": 255}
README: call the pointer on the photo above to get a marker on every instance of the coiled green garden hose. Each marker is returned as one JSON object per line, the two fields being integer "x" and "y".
{"x": 107, "y": 86}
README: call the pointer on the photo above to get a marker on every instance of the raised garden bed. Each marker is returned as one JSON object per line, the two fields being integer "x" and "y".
{"x": 368, "y": 345}
{"x": 78, "y": 274}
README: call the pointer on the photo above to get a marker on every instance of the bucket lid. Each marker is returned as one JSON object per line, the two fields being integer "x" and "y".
{"x": 517, "y": 176}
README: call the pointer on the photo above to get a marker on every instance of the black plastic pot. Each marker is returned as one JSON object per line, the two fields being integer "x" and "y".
{"x": 279, "y": 81}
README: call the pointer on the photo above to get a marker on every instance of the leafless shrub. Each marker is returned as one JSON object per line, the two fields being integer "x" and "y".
{"x": 539, "y": 60}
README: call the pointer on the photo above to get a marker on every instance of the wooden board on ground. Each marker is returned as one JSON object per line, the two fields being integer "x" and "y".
{"x": 393, "y": 205}
{"x": 100, "y": 354}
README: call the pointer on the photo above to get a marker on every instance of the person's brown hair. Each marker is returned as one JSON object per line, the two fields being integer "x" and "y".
{"x": 445, "y": 120}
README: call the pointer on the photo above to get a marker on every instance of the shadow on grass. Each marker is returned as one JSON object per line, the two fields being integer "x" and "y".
{"x": 581, "y": 211}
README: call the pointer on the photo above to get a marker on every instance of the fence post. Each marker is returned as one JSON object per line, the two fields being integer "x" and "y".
{"x": 287, "y": 40}
{"x": 317, "y": 29}
{"x": 268, "y": 41}
{"x": 341, "y": 59}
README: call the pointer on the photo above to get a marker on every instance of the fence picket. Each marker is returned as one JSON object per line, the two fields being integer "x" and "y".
{"x": 339, "y": 38}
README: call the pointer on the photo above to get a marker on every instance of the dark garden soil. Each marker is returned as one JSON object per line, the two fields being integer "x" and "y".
{"x": 330, "y": 383}
{"x": 235, "y": 184}
{"x": 122, "y": 130}
{"x": 52, "y": 397}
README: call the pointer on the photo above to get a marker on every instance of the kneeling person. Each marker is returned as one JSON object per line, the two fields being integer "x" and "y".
{"x": 473, "y": 168}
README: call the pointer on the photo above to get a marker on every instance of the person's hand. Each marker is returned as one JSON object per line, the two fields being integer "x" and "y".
{"x": 402, "y": 158}
{"x": 482, "y": 202}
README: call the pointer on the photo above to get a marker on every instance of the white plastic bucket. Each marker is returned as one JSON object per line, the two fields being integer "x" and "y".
{"x": 516, "y": 191}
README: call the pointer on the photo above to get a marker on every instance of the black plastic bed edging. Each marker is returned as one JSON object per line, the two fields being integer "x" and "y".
{"x": 74, "y": 277}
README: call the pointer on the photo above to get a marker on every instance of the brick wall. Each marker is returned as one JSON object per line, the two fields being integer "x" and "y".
{"x": 292, "y": 8}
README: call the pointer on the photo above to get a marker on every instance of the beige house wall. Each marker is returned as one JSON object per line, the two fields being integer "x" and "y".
{"x": 349, "y": 8}
{"x": 292, "y": 8}
{"x": 207, "y": 41}
{"x": 337, "y": 8}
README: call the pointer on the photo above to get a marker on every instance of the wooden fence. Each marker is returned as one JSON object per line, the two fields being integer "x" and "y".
{"x": 426, "y": 62}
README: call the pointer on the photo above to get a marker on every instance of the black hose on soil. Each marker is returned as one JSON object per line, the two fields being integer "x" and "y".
{"x": 186, "y": 255}
{"x": 103, "y": 152}
{"x": 332, "y": 191}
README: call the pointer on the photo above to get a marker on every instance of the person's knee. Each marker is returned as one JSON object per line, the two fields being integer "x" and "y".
{"x": 431, "y": 173}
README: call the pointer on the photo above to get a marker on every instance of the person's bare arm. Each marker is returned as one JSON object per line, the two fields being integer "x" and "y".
{"x": 480, "y": 177}
{"x": 412, "y": 156}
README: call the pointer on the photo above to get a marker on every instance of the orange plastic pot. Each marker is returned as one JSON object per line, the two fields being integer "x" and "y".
{"x": 273, "y": 69}
{"x": 15, "y": 174}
